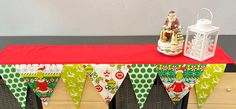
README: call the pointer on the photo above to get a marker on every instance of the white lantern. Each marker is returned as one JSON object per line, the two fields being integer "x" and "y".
{"x": 201, "y": 39}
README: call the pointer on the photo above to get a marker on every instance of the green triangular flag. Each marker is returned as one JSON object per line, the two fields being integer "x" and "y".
{"x": 74, "y": 76}
{"x": 15, "y": 83}
{"x": 142, "y": 77}
{"x": 207, "y": 82}
{"x": 42, "y": 78}
{"x": 179, "y": 79}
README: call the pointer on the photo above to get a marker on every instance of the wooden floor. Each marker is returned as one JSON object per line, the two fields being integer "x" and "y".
{"x": 223, "y": 97}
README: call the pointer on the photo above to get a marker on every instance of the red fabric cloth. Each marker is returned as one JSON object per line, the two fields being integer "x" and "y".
{"x": 98, "y": 54}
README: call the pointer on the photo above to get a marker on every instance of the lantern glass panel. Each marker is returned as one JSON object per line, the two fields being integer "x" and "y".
{"x": 210, "y": 44}
{"x": 194, "y": 45}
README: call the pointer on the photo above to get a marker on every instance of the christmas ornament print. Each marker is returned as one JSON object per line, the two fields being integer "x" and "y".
{"x": 107, "y": 78}
{"x": 15, "y": 83}
{"x": 74, "y": 76}
{"x": 120, "y": 75}
{"x": 42, "y": 78}
{"x": 142, "y": 77}
{"x": 179, "y": 79}
{"x": 207, "y": 82}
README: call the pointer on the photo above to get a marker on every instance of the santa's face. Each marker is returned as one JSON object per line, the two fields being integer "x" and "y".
{"x": 171, "y": 17}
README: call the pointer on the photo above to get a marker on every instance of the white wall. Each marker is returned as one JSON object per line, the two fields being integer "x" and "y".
{"x": 106, "y": 17}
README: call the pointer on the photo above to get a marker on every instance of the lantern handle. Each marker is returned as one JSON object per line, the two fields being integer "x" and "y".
{"x": 206, "y": 9}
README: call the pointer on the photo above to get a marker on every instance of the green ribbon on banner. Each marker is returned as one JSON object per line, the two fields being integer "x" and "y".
{"x": 15, "y": 83}
{"x": 142, "y": 77}
{"x": 74, "y": 76}
{"x": 207, "y": 82}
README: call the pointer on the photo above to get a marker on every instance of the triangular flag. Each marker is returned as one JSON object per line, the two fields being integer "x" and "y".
{"x": 42, "y": 78}
{"x": 142, "y": 77}
{"x": 15, "y": 83}
{"x": 74, "y": 76}
{"x": 207, "y": 82}
{"x": 179, "y": 79}
{"x": 107, "y": 78}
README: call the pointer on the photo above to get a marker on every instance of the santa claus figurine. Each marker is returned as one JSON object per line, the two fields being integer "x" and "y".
{"x": 171, "y": 38}
{"x": 171, "y": 27}
{"x": 171, "y": 22}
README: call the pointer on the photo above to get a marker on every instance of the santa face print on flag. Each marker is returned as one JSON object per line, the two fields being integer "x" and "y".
{"x": 179, "y": 79}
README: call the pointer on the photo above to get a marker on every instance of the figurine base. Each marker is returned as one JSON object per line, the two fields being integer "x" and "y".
{"x": 169, "y": 49}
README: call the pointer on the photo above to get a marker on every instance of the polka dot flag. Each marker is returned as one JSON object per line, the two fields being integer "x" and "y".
{"x": 142, "y": 77}
{"x": 15, "y": 83}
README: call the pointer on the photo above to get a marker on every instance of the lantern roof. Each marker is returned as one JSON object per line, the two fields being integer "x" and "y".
{"x": 197, "y": 29}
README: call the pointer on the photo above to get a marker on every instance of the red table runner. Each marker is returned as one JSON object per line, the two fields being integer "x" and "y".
{"x": 98, "y": 54}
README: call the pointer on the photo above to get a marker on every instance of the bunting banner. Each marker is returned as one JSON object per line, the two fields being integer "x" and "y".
{"x": 179, "y": 79}
{"x": 142, "y": 77}
{"x": 74, "y": 76}
{"x": 42, "y": 78}
{"x": 107, "y": 78}
{"x": 207, "y": 82}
